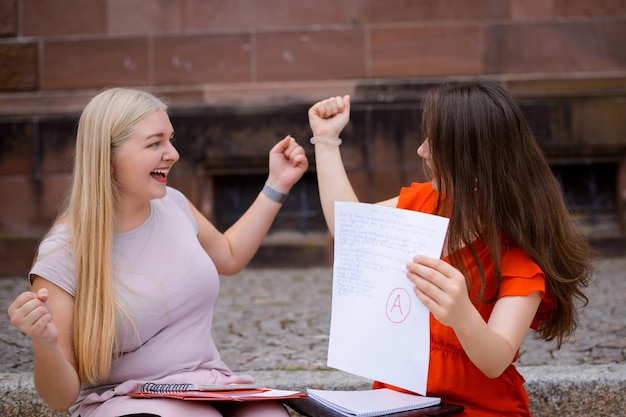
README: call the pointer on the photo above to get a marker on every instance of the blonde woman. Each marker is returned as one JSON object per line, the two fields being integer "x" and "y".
{"x": 125, "y": 282}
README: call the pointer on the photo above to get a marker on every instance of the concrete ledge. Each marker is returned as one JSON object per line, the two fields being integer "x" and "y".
{"x": 582, "y": 391}
{"x": 577, "y": 390}
{"x": 18, "y": 397}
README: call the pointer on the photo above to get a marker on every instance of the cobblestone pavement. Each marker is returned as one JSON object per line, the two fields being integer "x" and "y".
{"x": 279, "y": 319}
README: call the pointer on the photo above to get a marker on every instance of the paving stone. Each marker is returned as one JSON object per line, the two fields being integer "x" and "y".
{"x": 269, "y": 319}
{"x": 274, "y": 323}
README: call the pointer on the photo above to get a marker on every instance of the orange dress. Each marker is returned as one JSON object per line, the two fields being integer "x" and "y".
{"x": 451, "y": 374}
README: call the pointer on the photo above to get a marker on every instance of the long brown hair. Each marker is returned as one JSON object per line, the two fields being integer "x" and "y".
{"x": 485, "y": 156}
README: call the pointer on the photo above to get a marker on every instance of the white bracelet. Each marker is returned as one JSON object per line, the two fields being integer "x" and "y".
{"x": 273, "y": 194}
{"x": 324, "y": 139}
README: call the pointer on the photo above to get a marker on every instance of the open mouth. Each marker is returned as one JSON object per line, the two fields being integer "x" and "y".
{"x": 159, "y": 174}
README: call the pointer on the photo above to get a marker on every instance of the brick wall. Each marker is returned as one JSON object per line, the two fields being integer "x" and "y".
{"x": 252, "y": 68}
{"x": 83, "y": 44}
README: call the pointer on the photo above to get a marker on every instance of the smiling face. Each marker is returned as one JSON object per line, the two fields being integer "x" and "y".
{"x": 141, "y": 164}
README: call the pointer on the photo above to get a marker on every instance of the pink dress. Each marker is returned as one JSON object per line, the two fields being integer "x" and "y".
{"x": 169, "y": 285}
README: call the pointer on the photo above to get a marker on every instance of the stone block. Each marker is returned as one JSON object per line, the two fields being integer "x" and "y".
{"x": 222, "y": 141}
{"x": 33, "y": 204}
{"x": 16, "y": 148}
{"x": 19, "y": 398}
{"x": 599, "y": 123}
{"x": 190, "y": 185}
{"x": 37, "y": 147}
{"x": 44, "y": 103}
{"x": 552, "y": 87}
{"x": 426, "y": 51}
{"x": 428, "y": 11}
{"x": 8, "y": 18}
{"x": 621, "y": 194}
{"x": 268, "y": 14}
{"x": 221, "y": 58}
{"x": 56, "y": 139}
{"x": 17, "y": 254}
{"x": 576, "y": 390}
{"x": 555, "y": 47}
{"x": 613, "y": 34}
{"x": 76, "y": 64}
{"x": 63, "y": 17}
{"x": 144, "y": 16}
{"x": 252, "y": 96}
{"x": 379, "y": 149}
{"x": 529, "y": 9}
{"x": 312, "y": 55}
{"x": 362, "y": 184}
{"x": 571, "y": 8}
{"x": 19, "y": 66}
{"x": 583, "y": 391}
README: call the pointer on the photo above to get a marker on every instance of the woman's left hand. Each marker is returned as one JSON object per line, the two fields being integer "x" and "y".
{"x": 287, "y": 164}
{"x": 441, "y": 288}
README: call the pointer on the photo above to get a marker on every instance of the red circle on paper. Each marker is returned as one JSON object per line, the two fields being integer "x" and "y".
{"x": 398, "y": 305}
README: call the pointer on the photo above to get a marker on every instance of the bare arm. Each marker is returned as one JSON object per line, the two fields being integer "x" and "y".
{"x": 46, "y": 316}
{"x": 232, "y": 250}
{"x": 327, "y": 118}
{"x": 491, "y": 346}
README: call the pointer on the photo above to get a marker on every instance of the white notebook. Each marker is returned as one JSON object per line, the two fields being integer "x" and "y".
{"x": 369, "y": 403}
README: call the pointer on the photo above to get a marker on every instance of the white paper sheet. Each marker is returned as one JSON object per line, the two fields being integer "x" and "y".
{"x": 379, "y": 328}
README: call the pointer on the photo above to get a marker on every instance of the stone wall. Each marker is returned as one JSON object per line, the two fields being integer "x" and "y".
{"x": 240, "y": 74}
{"x": 82, "y": 44}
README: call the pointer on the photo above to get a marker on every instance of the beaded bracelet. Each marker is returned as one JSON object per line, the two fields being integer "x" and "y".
{"x": 324, "y": 139}
{"x": 273, "y": 194}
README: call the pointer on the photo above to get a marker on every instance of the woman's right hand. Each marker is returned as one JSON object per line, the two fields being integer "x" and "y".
{"x": 329, "y": 117}
{"x": 30, "y": 314}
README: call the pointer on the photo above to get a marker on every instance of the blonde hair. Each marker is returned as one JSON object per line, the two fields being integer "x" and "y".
{"x": 106, "y": 122}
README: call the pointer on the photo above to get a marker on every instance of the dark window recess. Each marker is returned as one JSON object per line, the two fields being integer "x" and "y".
{"x": 590, "y": 190}
{"x": 301, "y": 212}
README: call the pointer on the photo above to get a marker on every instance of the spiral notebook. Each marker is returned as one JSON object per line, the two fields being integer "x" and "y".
{"x": 370, "y": 403}
{"x": 156, "y": 388}
{"x": 230, "y": 392}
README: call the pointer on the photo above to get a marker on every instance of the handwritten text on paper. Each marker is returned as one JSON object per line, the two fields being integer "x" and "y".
{"x": 379, "y": 329}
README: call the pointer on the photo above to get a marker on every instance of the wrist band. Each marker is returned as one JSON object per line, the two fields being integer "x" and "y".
{"x": 325, "y": 139}
{"x": 273, "y": 194}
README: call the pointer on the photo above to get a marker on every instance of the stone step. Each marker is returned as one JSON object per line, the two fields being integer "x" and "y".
{"x": 575, "y": 390}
